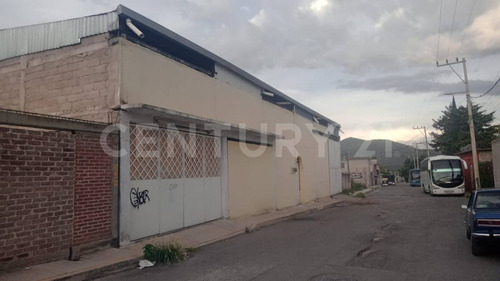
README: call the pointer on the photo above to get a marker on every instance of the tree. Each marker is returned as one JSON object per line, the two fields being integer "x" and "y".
{"x": 404, "y": 171}
{"x": 453, "y": 129}
{"x": 384, "y": 170}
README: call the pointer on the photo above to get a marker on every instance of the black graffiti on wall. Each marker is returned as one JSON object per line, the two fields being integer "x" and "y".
{"x": 138, "y": 198}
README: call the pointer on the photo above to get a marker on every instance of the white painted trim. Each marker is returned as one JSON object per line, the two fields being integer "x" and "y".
{"x": 224, "y": 178}
{"x": 124, "y": 180}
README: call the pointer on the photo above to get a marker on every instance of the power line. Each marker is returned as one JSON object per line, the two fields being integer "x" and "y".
{"x": 451, "y": 30}
{"x": 489, "y": 89}
{"x": 439, "y": 29}
{"x": 467, "y": 24}
{"x": 479, "y": 134}
{"x": 425, "y": 134}
{"x": 460, "y": 103}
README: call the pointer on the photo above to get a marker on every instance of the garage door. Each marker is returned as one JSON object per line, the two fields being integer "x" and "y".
{"x": 174, "y": 180}
{"x": 335, "y": 169}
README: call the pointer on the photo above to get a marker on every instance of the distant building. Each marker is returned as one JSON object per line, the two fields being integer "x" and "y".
{"x": 485, "y": 156}
{"x": 364, "y": 171}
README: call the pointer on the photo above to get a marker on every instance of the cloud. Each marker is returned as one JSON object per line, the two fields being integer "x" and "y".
{"x": 259, "y": 20}
{"x": 319, "y": 5}
{"x": 484, "y": 31}
{"x": 358, "y": 62}
{"x": 423, "y": 82}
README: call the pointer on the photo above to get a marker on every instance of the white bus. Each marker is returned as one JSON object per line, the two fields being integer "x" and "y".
{"x": 442, "y": 174}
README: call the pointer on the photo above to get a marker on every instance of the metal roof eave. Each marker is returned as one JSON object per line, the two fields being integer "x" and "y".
{"x": 177, "y": 117}
{"x": 122, "y": 10}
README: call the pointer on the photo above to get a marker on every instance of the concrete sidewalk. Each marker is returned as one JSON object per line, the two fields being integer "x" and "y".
{"x": 112, "y": 260}
{"x": 367, "y": 190}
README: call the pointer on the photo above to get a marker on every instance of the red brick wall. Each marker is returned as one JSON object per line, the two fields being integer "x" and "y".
{"x": 93, "y": 179}
{"x": 55, "y": 192}
{"x": 36, "y": 194}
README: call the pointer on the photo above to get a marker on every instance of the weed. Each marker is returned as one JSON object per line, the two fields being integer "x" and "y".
{"x": 360, "y": 195}
{"x": 166, "y": 253}
{"x": 357, "y": 186}
{"x": 354, "y": 187}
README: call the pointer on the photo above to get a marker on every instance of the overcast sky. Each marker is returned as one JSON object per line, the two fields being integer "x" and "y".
{"x": 369, "y": 65}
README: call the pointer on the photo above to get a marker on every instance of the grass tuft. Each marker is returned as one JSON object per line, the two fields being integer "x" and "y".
{"x": 354, "y": 187}
{"x": 360, "y": 195}
{"x": 166, "y": 253}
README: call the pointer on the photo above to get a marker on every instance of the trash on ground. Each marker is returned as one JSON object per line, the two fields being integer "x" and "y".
{"x": 145, "y": 263}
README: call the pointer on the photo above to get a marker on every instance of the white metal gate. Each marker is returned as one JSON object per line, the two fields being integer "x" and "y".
{"x": 334, "y": 169}
{"x": 174, "y": 179}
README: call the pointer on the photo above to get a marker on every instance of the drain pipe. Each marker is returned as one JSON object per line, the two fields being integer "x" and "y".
{"x": 134, "y": 28}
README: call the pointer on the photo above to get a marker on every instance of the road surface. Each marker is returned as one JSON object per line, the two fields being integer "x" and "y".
{"x": 396, "y": 233}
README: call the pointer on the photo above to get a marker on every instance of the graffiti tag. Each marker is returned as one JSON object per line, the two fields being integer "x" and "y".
{"x": 138, "y": 198}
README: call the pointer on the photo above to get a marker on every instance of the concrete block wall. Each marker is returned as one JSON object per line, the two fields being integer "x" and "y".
{"x": 79, "y": 81}
{"x": 55, "y": 193}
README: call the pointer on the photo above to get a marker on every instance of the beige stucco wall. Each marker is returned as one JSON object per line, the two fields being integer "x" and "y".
{"x": 79, "y": 81}
{"x": 315, "y": 167}
{"x": 150, "y": 78}
{"x": 287, "y": 179}
{"x": 251, "y": 180}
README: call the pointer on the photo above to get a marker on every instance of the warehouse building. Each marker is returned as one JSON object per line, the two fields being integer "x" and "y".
{"x": 199, "y": 138}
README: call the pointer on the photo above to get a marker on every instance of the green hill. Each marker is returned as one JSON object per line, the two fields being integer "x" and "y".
{"x": 390, "y": 154}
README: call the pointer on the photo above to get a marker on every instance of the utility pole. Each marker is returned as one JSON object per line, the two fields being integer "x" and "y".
{"x": 349, "y": 169}
{"x": 414, "y": 158}
{"x": 416, "y": 153}
{"x": 477, "y": 184}
{"x": 426, "y": 142}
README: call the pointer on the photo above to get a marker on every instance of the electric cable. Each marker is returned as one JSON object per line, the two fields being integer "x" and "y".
{"x": 452, "y": 24}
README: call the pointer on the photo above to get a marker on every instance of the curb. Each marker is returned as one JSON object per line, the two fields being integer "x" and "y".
{"x": 99, "y": 272}
{"x": 127, "y": 264}
{"x": 365, "y": 191}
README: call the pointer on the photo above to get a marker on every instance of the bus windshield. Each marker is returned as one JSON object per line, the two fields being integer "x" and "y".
{"x": 415, "y": 174}
{"x": 447, "y": 173}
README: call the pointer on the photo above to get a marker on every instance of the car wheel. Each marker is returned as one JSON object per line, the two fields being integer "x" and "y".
{"x": 467, "y": 233}
{"x": 476, "y": 247}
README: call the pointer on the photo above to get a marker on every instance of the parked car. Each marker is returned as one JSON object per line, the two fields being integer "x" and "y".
{"x": 482, "y": 219}
{"x": 388, "y": 180}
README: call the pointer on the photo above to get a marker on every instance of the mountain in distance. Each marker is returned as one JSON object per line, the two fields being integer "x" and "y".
{"x": 390, "y": 154}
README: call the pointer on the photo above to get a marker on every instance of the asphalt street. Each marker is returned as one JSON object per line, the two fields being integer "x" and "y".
{"x": 396, "y": 233}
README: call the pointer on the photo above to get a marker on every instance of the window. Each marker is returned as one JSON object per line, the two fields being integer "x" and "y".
{"x": 342, "y": 165}
{"x": 488, "y": 200}
{"x": 447, "y": 173}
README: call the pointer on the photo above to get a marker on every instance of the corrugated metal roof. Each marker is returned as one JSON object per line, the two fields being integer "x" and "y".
{"x": 24, "y": 40}
{"x": 30, "y": 39}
